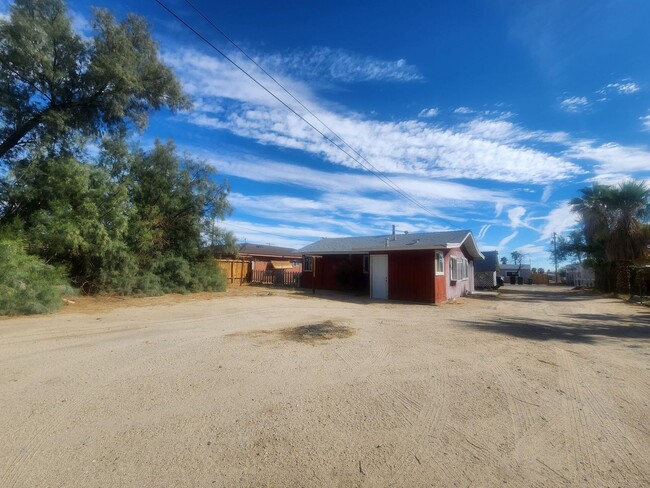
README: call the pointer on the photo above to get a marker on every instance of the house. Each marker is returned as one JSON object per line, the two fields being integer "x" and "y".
{"x": 271, "y": 264}
{"x": 513, "y": 271}
{"x": 485, "y": 271}
{"x": 430, "y": 267}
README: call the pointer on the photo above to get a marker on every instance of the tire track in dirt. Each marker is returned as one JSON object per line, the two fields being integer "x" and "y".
{"x": 423, "y": 432}
{"x": 629, "y": 454}
{"x": 522, "y": 406}
{"x": 419, "y": 420}
{"x": 76, "y": 332}
{"x": 15, "y": 469}
{"x": 578, "y": 439}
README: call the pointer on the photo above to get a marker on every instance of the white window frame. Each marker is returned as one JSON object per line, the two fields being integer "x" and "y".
{"x": 440, "y": 263}
{"x": 458, "y": 269}
{"x": 453, "y": 268}
{"x": 464, "y": 269}
{"x": 307, "y": 263}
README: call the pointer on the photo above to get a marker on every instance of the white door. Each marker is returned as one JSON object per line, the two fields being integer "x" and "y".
{"x": 379, "y": 276}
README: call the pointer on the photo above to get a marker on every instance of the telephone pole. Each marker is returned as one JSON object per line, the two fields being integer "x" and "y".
{"x": 555, "y": 255}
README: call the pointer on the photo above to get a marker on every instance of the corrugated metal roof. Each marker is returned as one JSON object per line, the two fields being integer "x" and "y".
{"x": 429, "y": 240}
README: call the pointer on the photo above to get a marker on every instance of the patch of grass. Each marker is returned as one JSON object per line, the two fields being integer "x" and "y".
{"x": 317, "y": 332}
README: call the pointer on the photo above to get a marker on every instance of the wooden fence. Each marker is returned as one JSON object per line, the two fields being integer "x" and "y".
{"x": 278, "y": 277}
{"x": 236, "y": 270}
{"x": 540, "y": 279}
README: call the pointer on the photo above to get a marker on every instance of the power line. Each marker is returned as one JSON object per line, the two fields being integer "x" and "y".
{"x": 369, "y": 167}
{"x": 387, "y": 180}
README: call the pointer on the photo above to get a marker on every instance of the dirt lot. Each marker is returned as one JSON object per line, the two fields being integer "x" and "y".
{"x": 538, "y": 387}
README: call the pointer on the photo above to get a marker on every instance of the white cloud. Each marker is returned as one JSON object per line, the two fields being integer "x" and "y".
{"x": 611, "y": 157}
{"x": 574, "y": 104}
{"x": 320, "y": 63}
{"x": 623, "y": 87}
{"x": 292, "y": 236}
{"x": 548, "y": 191}
{"x": 558, "y": 220}
{"x": 408, "y": 147}
{"x": 483, "y": 231}
{"x": 515, "y": 214}
{"x": 428, "y": 113}
{"x": 401, "y": 147}
{"x": 463, "y": 110}
{"x": 433, "y": 192}
{"x": 503, "y": 242}
{"x": 645, "y": 122}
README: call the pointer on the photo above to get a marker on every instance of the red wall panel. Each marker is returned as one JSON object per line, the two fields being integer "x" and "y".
{"x": 411, "y": 276}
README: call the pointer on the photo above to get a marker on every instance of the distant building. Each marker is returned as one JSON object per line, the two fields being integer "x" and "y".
{"x": 271, "y": 264}
{"x": 507, "y": 271}
{"x": 268, "y": 258}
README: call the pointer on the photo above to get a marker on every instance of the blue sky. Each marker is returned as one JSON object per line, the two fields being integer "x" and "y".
{"x": 492, "y": 114}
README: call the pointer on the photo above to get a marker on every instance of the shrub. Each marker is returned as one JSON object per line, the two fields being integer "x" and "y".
{"x": 207, "y": 276}
{"x": 27, "y": 284}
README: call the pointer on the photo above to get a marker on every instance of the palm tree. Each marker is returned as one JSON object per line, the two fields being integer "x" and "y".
{"x": 630, "y": 207}
{"x": 616, "y": 235}
{"x": 593, "y": 210}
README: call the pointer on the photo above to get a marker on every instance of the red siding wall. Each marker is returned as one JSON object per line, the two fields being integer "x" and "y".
{"x": 440, "y": 286}
{"x": 411, "y": 276}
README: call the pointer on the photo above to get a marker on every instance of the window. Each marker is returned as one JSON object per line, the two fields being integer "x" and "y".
{"x": 366, "y": 263}
{"x": 308, "y": 263}
{"x": 453, "y": 269}
{"x": 464, "y": 269}
{"x": 440, "y": 263}
{"x": 458, "y": 269}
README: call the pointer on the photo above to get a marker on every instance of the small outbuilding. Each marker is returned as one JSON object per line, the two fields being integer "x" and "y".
{"x": 485, "y": 271}
{"x": 429, "y": 267}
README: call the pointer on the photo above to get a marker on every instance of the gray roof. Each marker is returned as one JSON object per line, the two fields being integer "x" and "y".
{"x": 399, "y": 242}
{"x": 262, "y": 250}
{"x": 490, "y": 263}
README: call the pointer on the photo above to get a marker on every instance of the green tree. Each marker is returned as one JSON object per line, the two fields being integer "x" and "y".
{"x": 504, "y": 260}
{"x": 70, "y": 213}
{"x": 175, "y": 199}
{"x": 614, "y": 225}
{"x": 54, "y": 83}
{"x": 571, "y": 247}
{"x": 128, "y": 220}
{"x": 517, "y": 258}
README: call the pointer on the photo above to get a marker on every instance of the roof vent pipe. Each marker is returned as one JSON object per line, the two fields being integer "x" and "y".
{"x": 387, "y": 242}
{"x": 393, "y": 232}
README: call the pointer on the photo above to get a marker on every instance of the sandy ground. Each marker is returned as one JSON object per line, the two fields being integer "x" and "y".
{"x": 536, "y": 387}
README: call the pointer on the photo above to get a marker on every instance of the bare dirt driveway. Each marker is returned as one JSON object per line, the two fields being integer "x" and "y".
{"x": 538, "y": 387}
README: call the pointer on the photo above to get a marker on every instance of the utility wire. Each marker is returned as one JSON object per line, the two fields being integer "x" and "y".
{"x": 372, "y": 169}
